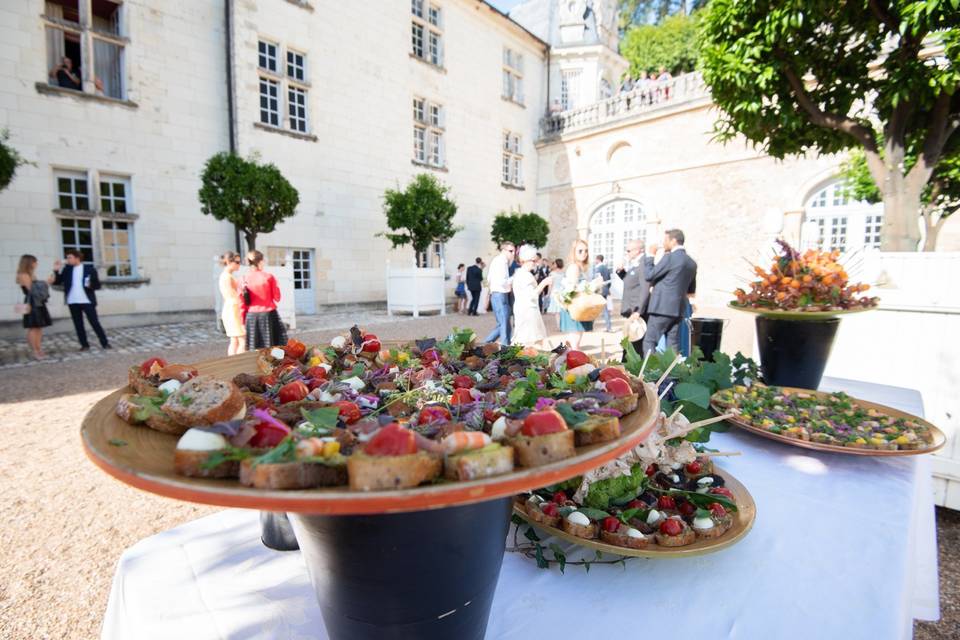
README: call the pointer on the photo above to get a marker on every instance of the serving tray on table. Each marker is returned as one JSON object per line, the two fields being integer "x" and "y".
{"x": 743, "y": 521}
{"x": 939, "y": 438}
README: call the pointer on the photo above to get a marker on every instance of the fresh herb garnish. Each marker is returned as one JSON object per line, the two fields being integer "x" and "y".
{"x": 283, "y": 452}
{"x": 319, "y": 422}
{"x": 570, "y": 415}
{"x": 117, "y": 442}
{"x": 186, "y": 401}
{"x": 230, "y": 454}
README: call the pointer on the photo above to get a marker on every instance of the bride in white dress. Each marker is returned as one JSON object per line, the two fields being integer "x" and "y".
{"x": 529, "y": 329}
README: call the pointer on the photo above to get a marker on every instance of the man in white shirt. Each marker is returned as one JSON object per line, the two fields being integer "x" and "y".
{"x": 499, "y": 278}
{"x": 79, "y": 282}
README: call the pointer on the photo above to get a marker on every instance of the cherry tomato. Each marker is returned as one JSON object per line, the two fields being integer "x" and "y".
{"x": 541, "y": 423}
{"x": 148, "y": 364}
{"x": 293, "y": 392}
{"x": 392, "y": 440}
{"x": 687, "y": 508}
{"x": 559, "y": 497}
{"x": 609, "y": 373}
{"x": 432, "y": 413}
{"x": 268, "y": 380}
{"x": 551, "y": 509}
{"x": 463, "y": 382}
{"x": 315, "y": 383}
{"x": 611, "y": 524}
{"x": 671, "y": 527}
{"x": 371, "y": 344}
{"x": 694, "y": 467}
{"x": 618, "y": 388}
{"x": 651, "y": 470}
{"x": 269, "y": 434}
{"x": 349, "y": 411}
{"x": 717, "y": 509}
{"x": 430, "y": 356}
{"x": 666, "y": 502}
{"x": 722, "y": 491}
{"x": 461, "y": 396}
{"x": 316, "y": 373}
{"x": 294, "y": 349}
{"x": 637, "y": 504}
{"x": 285, "y": 368}
{"x": 489, "y": 415}
{"x": 576, "y": 359}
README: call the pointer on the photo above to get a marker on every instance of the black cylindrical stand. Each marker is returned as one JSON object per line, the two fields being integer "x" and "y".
{"x": 793, "y": 353}
{"x": 421, "y": 575}
{"x": 706, "y": 334}
{"x": 276, "y": 532}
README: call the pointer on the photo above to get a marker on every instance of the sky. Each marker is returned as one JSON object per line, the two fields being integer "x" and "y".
{"x": 504, "y": 5}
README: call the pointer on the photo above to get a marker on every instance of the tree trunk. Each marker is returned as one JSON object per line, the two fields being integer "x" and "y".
{"x": 251, "y": 240}
{"x": 901, "y": 212}
{"x": 932, "y": 229}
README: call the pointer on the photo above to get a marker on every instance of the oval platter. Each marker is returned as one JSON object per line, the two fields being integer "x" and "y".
{"x": 745, "y": 516}
{"x": 939, "y": 438}
{"x": 796, "y": 315}
{"x": 143, "y": 458}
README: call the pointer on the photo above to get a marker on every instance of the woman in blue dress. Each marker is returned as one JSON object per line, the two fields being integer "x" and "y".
{"x": 577, "y": 272}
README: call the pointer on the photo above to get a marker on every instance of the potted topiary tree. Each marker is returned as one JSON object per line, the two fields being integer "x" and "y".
{"x": 520, "y": 229}
{"x": 419, "y": 215}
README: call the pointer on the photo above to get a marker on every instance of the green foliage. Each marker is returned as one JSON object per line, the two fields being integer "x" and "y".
{"x": 254, "y": 197}
{"x": 420, "y": 214}
{"x": 520, "y": 229}
{"x": 656, "y": 11}
{"x": 603, "y": 492}
{"x": 671, "y": 44}
{"x": 9, "y": 160}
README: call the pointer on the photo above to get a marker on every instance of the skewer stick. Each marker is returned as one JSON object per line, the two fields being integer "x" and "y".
{"x": 665, "y": 391}
{"x": 644, "y": 365}
{"x": 675, "y": 362}
{"x": 719, "y": 454}
{"x": 703, "y": 423}
{"x": 674, "y": 414}
{"x": 603, "y": 349}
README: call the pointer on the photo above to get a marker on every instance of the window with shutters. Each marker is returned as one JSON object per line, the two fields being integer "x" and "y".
{"x": 428, "y": 132}
{"x": 512, "y": 76}
{"x": 426, "y": 32}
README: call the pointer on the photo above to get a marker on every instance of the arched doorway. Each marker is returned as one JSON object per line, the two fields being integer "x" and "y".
{"x": 613, "y": 225}
{"x": 833, "y": 220}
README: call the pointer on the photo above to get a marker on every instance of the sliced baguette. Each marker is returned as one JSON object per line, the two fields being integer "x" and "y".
{"x": 292, "y": 475}
{"x": 597, "y": 429}
{"x": 621, "y": 539}
{"x": 372, "y": 473}
{"x": 687, "y": 536}
{"x": 588, "y": 531}
{"x": 540, "y": 450}
{"x": 140, "y": 384}
{"x": 479, "y": 464}
{"x": 190, "y": 463}
{"x": 626, "y": 404}
{"x": 204, "y": 400}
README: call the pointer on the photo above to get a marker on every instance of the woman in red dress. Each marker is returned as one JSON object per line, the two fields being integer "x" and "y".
{"x": 260, "y": 297}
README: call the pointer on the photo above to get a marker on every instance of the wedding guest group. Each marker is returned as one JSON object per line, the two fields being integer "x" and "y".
{"x": 232, "y": 315}
{"x": 34, "y": 305}
{"x": 80, "y": 282}
{"x": 259, "y": 294}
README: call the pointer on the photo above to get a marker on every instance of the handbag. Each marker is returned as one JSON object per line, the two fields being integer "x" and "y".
{"x": 586, "y": 307}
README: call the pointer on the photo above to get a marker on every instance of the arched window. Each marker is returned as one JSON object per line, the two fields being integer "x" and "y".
{"x": 615, "y": 224}
{"x": 835, "y": 221}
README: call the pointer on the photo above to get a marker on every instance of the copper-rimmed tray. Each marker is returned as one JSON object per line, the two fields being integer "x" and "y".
{"x": 143, "y": 458}
{"x": 742, "y": 523}
{"x": 939, "y": 439}
{"x": 796, "y": 315}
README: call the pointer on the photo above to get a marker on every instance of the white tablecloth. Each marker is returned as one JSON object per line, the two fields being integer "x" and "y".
{"x": 843, "y": 547}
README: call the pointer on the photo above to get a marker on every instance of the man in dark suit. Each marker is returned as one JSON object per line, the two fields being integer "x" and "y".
{"x": 79, "y": 282}
{"x": 636, "y": 289}
{"x": 474, "y": 285}
{"x": 673, "y": 279}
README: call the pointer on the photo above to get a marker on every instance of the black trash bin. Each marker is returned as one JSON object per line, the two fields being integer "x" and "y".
{"x": 706, "y": 334}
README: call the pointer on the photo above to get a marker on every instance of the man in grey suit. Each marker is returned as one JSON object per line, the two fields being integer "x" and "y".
{"x": 636, "y": 289}
{"x": 602, "y": 270}
{"x": 673, "y": 279}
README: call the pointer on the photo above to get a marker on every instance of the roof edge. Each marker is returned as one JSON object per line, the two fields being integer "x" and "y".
{"x": 505, "y": 16}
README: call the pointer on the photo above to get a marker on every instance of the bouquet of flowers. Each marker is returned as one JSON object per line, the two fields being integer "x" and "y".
{"x": 582, "y": 301}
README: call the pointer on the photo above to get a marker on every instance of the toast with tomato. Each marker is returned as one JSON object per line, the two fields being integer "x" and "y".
{"x": 205, "y": 400}
{"x": 390, "y": 460}
{"x": 492, "y": 460}
{"x": 543, "y": 438}
{"x": 146, "y": 377}
{"x": 596, "y": 429}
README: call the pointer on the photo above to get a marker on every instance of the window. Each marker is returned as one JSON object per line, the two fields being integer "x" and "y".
{"x": 426, "y": 35}
{"x": 104, "y": 233}
{"x": 835, "y": 221}
{"x": 267, "y": 59}
{"x": 872, "y": 228}
{"x": 613, "y": 226}
{"x": 78, "y": 29}
{"x": 428, "y": 129}
{"x": 570, "y": 89}
{"x": 269, "y": 102}
{"x": 297, "y": 102}
{"x": 512, "y": 159}
{"x": 512, "y": 76}
{"x": 296, "y": 66}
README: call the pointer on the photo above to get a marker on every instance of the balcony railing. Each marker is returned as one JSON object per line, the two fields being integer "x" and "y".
{"x": 653, "y": 96}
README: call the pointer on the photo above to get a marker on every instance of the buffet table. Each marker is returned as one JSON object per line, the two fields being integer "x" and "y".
{"x": 843, "y": 546}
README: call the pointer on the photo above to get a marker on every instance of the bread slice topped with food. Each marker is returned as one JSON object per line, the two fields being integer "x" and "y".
{"x": 306, "y": 463}
{"x": 391, "y": 460}
{"x": 596, "y": 429}
{"x": 471, "y": 455}
{"x": 155, "y": 377}
{"x": 145, "y": 410}
{"x": 543, "y": 438}
{"x": 205, "y": 400}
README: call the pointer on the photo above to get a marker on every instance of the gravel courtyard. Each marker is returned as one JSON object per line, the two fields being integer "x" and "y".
{"x": 70, "y": 522}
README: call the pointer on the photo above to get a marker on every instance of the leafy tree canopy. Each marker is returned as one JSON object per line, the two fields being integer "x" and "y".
{"x": 9, "y": 160}
{"x": 635, "y": 12}
{"x": 520, "y": 229}
{"x": 671, "y": 44}
{"x": 420, "y": 214}
{"x": 254, "y": 197}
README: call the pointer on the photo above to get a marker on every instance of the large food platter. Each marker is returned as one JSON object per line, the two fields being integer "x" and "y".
{"x": 744, "y": 518}
{"x": 796, "y": 315}
{"x": 143, "y": 458}
{"x": 939, "y": 439}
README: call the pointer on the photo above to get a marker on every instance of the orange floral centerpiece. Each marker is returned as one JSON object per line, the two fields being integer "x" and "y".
{"x": 810, "y": 281}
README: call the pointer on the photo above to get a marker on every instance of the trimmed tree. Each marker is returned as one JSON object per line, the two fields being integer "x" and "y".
{"x": 10, "y": 160}
{"x": 419, "y": 215}
{"x": 798, "y": 75}
{"x": 254, "y": 197}
{"x": 671, "y": 44}
{"x": 520, "y": 229}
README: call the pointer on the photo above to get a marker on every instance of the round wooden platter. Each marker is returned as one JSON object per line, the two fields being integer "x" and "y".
{"x": 939, "y": 439}
{"x": 143, "y": 458}
{"x": 743, "y": 521}
{"x": 796, "y": 315}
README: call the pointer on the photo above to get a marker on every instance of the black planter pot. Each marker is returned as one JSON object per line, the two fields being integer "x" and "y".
{"x": 793, "y": 353}
{"x": 276, "y": 532}
{"x": 424, "y": 575}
